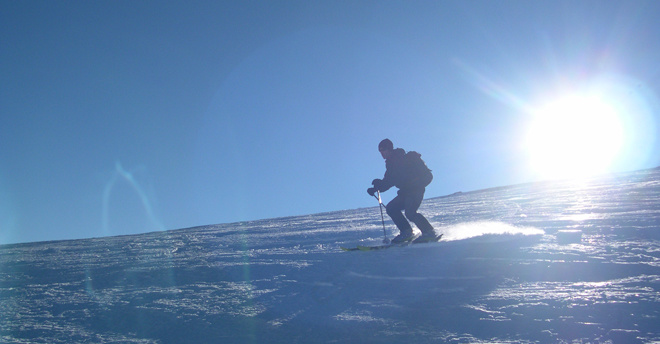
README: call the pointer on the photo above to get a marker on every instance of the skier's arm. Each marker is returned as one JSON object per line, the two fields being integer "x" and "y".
{"x": 384, "y": 184}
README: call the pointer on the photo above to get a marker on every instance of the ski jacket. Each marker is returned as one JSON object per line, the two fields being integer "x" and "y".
{"x": 406, "y": 171}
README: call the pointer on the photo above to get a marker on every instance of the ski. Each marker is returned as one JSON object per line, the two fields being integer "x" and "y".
{"x": 369, "y": 248}
{"x": 422, "y": 240}
{"x": 382, "y": 247}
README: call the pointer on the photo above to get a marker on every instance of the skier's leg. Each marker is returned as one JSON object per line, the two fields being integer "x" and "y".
{"x": 394, "y": 209}
{"x": 412, "y": 203}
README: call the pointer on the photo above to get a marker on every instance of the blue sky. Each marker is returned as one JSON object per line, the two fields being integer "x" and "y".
{"x": 122, "y": 117}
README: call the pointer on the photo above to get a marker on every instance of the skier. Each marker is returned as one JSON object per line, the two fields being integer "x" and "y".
{"x": 408, "y": 172}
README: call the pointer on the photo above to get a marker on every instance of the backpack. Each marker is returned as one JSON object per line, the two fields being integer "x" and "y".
{"x": 420, "y": 174}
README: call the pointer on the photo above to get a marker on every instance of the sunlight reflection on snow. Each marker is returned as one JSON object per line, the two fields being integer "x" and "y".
{"x": 468, "y": 230}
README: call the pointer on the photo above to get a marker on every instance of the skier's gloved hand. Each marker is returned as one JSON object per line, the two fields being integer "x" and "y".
{"x": 371, "y": 191}
{"x": 377, "y": 183}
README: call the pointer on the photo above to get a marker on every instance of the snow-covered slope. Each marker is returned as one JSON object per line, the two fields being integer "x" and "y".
{"x": 549, "y": 262}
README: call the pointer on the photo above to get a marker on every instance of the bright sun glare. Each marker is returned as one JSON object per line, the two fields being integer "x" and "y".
{"x": 574, "y": 136}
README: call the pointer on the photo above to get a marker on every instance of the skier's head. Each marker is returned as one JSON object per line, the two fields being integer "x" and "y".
{"x": 385, "y": 148}
{"x": 385, "y": 145}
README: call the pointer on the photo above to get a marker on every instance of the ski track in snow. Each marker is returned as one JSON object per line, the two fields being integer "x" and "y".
{"x": 555, "y": 262}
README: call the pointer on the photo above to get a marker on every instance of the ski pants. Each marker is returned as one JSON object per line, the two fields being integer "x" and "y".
{"x": 408, "y": 201}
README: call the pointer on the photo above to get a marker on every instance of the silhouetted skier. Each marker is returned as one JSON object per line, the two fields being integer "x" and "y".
{"x": 408, "y": 172}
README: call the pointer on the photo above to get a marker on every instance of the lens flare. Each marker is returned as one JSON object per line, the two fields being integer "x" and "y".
{"x": 121, "y": 174}
{"x": 8, "y": 220}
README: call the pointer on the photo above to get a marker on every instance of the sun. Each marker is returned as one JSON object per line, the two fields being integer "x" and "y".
{"x": 574, "y": 136}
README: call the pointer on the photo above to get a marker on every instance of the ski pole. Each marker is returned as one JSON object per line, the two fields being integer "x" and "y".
{"x": 382, "y": 218}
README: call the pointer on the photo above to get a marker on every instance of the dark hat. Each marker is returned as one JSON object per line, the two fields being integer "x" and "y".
{"x": 385, "y": 145}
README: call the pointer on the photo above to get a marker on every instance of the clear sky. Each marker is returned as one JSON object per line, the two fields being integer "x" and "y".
{"x": 122, "y": 117}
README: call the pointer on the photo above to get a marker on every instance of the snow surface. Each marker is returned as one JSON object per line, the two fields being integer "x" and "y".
{"x": 571, "y": 262}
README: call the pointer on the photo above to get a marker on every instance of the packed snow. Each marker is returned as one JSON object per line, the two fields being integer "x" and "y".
{"x": 555, "y": 262}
